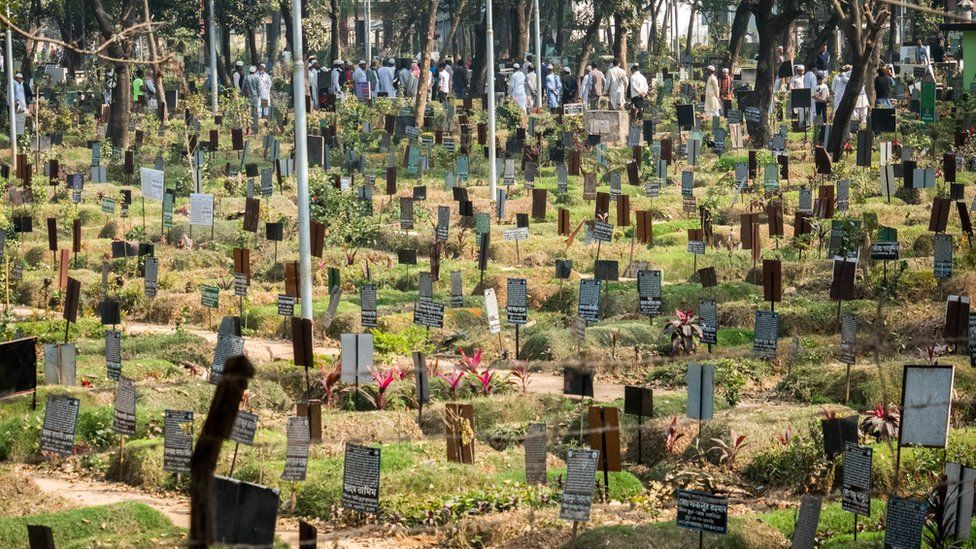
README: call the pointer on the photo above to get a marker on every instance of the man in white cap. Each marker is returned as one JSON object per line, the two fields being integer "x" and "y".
{"x": 797, "y": 81}
{"x": 265, "y": 79}
{"x": 20, "y": 102}
{"x": 336, "y": 79}
{"x": 252, "y": 91}
{"x": 516, "y": 87}
{"x": 713, "y": 101}
{"x": 238, "y": 76}
{"x": 386, "y": 76}
{"x": 359, "y": 80}
{"x": 313, "y": 83}
{"x": 554, "y": 89}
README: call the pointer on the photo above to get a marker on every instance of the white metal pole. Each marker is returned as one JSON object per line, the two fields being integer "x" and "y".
{"x": 369, "y": 44}
{"x": 11, "y": 103}
{"x": 301, "y": 160}
{"x": 213, "y": 61}
{"x": 492, "y": 175}
{"x": 538, "y": 59}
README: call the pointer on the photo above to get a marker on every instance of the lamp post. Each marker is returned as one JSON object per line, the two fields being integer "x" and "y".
{"x": 213, "y": 61}
{"x": 492, "y": 175}
{"x": 301, "y": 161}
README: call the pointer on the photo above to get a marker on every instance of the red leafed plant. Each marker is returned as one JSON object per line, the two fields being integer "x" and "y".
{"x": 882, "y": 423}
{"x": 470, "y": 363}
{"x": 829, "y": 414}
{"x": 330, "y": 381}
{"x": 673, "y": 435}
{"x": 453, "y": 381}
{"x": 683, "y": 331}
{"x": 521, "y": 375}
{"x": 484, "y": 379}
{"x": 786, "y": 438}
{"x": 728, "y": 451}
{"x": 383, "y": 380}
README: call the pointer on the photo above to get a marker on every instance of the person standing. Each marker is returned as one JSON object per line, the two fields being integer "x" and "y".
{"x": 137, "y": 91}
{"x": 373, "y": 77}
{"x": 554, "y": 89}
{"x": 713, "y": 103}
{"x": 359, "y": 81}
{"x": 459, "y": 79}
{"x": 797, "y": 81}
{"x": 839, "y": 84}
{"x": 725, "y": 91}
{"x": 810, "y": 83}
{"x": 443, "y": 82}
{"x": 821, "y": 96}
{"x": 597, "y": 82}
{"x": 386, "y": 77}
{"x": 921, "y": 53}
{"x": 265, "y": 90}
{"x": 313, "y": 84}
{"x": 586, "y": 86}
{"x": 883, "y": 86}
{"x": 238, "y": 76}
{"x": 531, "y": 86}
{"x": 516, "y": 87}
{"x": 150, "y": 85}
{"x": 617, "y": 84}
{"x": 638, "y": 91}
{"x": 20, "y": 103}
{"x": 403, "y": 78}
{"x": 108, "y": 87}
{"x": 335, "y": 79}
{"x": 822, "y": 62}
{"x": 252, "y": 91}
{"x": 570, "y": 89}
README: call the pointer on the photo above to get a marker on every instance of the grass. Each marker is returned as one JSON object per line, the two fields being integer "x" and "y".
{"x": 743, "y": 533}
{"x": 120, "y": 525}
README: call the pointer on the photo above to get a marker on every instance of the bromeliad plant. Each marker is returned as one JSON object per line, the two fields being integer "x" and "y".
{"x": 453, "y": 381}
{"x": 329, "y": 380}
{"x": 485, "y": 381}
{"x": 520, "y": 375}
{"x": 470, "y": 363}
{"x": 384, "y": 381}
{"x": 684, "y": 331}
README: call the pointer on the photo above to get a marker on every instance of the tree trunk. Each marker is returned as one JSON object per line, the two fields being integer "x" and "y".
{"x": 225, "y": 65}
{"x": 455, "y": 22}
{"x": 118, "y": 116}
{"x": 284, "y": 8}
{"x": 521, "y": 30}
{"x": 334, "y": 29}
{"x": 865, "y": 59}
{"x": 424, "y": 86}
{"x": 620, "y": 39}
{"x": 479, "y": 60}
{"x": 252, "y": 45}
{"x": 740, "y": 25}
{"x": 762, "y": 95}
{"x": 157, "y": 70}
{"x": 586, "y": 48}
{"x": 691, "y": 30}
{"x": 822, "y": 37}
{"x": 560, "y": 26}
{"x": 273, "y": 37}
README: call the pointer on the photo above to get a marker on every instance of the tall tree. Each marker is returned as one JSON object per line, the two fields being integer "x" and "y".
{"x": 334, "y": 29}
{"x": 862, "y": 22}
{"x": 118, "y": 116}
{"x": 424, "y": 86}
{"x": 740, "y": 25}
{"x": 772, "y": 26}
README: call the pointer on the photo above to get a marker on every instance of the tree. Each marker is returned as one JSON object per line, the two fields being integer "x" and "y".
{"x": 334, "y": 28}
{"x": 740, "y": 25}
{"x": 862, "y": 22}
{"x": 119, "y": 48}
{"x": 772, "y": 29}
{"x": 424, "y": 87}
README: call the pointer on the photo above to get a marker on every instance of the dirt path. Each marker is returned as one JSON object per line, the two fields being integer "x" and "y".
{"x": 263, "y": 350}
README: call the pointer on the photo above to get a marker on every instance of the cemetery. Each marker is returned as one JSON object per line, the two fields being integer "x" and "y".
{"x": 344, "y": 318}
